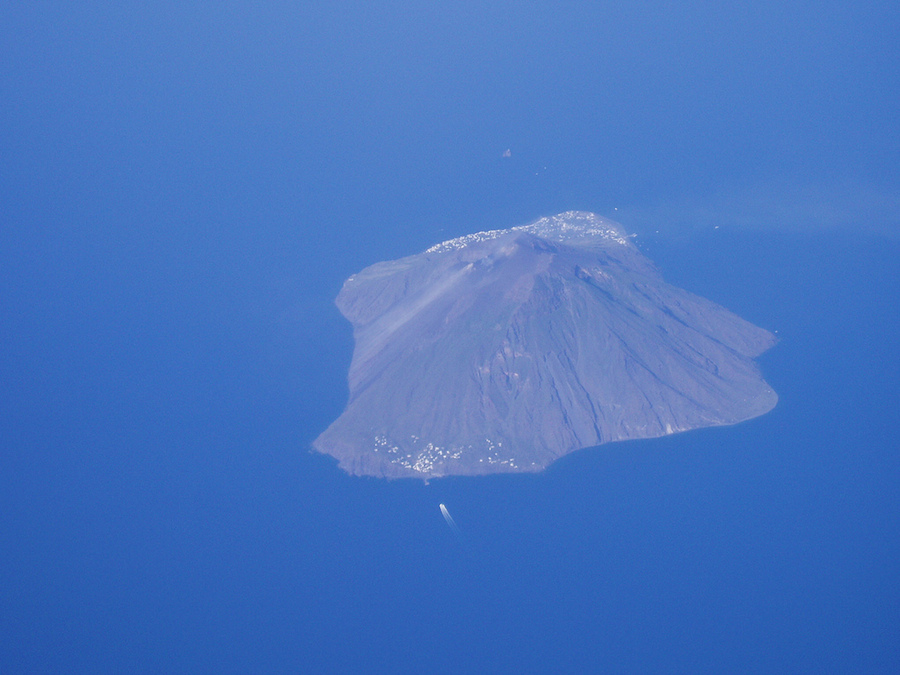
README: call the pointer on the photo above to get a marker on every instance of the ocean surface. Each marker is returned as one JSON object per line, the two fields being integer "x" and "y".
{"x": 184, "y": 191}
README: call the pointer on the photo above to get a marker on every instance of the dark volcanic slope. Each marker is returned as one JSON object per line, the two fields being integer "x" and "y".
{"x": 504, "y": 350}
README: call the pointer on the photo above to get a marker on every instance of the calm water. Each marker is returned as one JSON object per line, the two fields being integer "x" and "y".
{"x": 185, "y": 189}
{"x": 170, "y": 518}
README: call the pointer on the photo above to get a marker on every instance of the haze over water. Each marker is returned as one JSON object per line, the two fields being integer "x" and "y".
{"x": 185, "y": 189}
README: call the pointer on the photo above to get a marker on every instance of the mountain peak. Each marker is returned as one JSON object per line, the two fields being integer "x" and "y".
{"x": 572, "y": 227}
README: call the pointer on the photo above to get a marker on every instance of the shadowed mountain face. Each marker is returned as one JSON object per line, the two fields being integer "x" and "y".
{"x": 502, "y": 351}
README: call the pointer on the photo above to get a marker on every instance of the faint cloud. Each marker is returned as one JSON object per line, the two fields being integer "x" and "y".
{"x": 808, "y": 208}
{"x": 507, "y": 153}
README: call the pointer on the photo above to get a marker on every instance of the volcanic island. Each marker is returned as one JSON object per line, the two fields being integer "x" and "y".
{"x": 504, "y": 350}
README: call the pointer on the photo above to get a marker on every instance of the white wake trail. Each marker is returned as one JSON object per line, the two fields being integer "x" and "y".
{"x": 450, "y": 521}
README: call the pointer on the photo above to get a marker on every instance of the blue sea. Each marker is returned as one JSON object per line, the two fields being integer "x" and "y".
{"x": 184, "y": 189}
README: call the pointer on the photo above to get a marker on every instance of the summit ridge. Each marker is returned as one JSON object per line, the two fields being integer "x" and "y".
{"x": 566, "y": 226}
